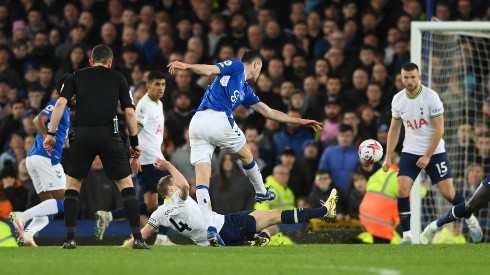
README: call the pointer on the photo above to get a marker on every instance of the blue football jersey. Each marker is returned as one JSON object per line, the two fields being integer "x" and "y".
{"x": 229, "y": 89}
{"x": 61, "y": 135}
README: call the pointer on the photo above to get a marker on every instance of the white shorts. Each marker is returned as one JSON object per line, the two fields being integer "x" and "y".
{"x": 209, "y": 129}
{"x": 45, "y": 177}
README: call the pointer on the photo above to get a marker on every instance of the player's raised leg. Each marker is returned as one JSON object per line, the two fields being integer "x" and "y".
{"x": 252, "y": 171}
{"x": 267, "y": 218}
{"x": 480, "y": 198}
{"x": 39, "y": 216}
{"x": 446, "y": 188}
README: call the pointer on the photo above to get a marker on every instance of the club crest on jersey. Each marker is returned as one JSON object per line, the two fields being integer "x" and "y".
{"x": 414, "y": 124}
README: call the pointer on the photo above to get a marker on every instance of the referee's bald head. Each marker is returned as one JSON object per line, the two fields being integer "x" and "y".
{"x": 101, "y": 54}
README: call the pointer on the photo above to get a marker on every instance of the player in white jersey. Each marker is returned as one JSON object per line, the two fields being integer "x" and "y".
{"x": 182, "y": 213}
{"x": 213, "y": 125}
{"x": 149, "y": 115}
{"x": 421, "y": 111}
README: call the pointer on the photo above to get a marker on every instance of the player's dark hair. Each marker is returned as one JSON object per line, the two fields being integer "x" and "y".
{"x": 60, "y": 82}
{"x": 102, "y": 53}
{"x": 410, "y": 67}
{"x": 155, "y": 75}
{"x": 251, "y": 56}
{"x": 163, "y": 184}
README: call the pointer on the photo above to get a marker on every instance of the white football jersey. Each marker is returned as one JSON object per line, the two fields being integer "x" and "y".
{"x": 149, "y": 114}
{"x": 184, "y": 216}
{"x": 416, "y": 114}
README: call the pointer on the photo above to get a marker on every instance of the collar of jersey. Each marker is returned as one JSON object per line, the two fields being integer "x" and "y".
{"x": 416, "y": 95}
{"x": 154, "y": 101}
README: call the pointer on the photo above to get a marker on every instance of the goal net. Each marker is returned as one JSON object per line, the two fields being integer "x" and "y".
{"x": 454, "y": 59}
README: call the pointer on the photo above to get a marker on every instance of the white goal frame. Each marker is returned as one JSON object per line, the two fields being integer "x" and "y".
{"x": 417, "y": 28}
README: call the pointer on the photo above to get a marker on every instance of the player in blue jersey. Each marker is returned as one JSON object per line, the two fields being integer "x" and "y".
{"x": 213, "y": 125}
{"x": 46, "y": 173}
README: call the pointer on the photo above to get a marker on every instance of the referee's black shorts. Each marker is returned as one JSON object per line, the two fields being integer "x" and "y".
{"x": 90, "y": 141}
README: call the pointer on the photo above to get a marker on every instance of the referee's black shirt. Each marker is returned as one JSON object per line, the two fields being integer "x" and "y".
{"x": 97, "y": 91}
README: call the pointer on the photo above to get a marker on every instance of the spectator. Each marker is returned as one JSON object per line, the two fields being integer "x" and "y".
{"x": 322, "y": 187}
{"x": 375, "y": 99}
{"x": 285, "y": 200}
{"x": 13, "y": 196}
{"x": 443, "y": 11}
{"x": 352, "y": 118}
{"x": 7, "y": 72}
{"x": 11, "y": 123}
{"x": 369, "y": 120}
{"x": 341, "y": 161}
{"x": 297, "y": 177}
{"x": 77, "y": 35}
{"x": 146, "y": 42}
{"x": 357, "y": 94}
{"x": 309, "y": 163}
{"x": 297, "y": 103}
{"x": 216, "y": 34}
{"x": 331, "y": 124}
{"x": 183, "y": 83}
{"x": 357, "y": 191}
{"x": 229, "y": 189}
{"x": 293, "y": 136}
{"x": 178, "y": 119}
{"x": 321, "y": 71}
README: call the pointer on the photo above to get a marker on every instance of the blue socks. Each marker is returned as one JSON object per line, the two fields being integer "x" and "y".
{"x": 119, "y": 213}
{"x": 298, "y": 215}
{"x": 404, "y": 213}
{"x": 455, "y": 213}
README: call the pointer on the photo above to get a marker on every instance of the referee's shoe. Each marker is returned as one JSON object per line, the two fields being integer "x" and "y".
{"x": 140, "y": 244}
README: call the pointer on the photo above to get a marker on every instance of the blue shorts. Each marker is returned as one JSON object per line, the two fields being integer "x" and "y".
{"x": 238, "y": 228}
{"x": 438, "y": 168}
{"x": 148, "y": 178}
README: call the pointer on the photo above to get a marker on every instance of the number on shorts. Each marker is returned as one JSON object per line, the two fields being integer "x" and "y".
{"x": 442, "y": 168}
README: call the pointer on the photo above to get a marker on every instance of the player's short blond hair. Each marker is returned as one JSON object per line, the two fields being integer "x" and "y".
{"x": 163, "y": 184}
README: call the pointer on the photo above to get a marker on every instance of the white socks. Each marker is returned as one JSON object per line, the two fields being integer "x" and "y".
{"x": 433, "y": 225}
{"x": 407, "y": 234}
{"x": 37, "y": 224}
{"x": 255, "y": 177}
{"x": 45, "y": 208}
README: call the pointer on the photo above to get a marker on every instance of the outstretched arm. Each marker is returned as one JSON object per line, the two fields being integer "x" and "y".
{"x": 201, "y": 69}
{"x": 273, "y": 114}
{"x": 147, "y": 231}
{"x": 179, "y": 179}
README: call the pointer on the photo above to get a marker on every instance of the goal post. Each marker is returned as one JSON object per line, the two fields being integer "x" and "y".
{"x": 454, "y": 60}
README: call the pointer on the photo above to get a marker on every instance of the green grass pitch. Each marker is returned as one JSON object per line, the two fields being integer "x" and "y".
{"x": 294, "y": 259}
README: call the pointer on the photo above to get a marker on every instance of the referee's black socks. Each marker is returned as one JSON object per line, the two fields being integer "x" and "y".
{"x": 130, "y": 204}
{"x": 70, "y": 207}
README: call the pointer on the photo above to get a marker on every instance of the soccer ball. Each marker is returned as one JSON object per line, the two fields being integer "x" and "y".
{"x": 370, "y": 151}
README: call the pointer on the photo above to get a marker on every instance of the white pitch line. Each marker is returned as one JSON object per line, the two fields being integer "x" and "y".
{"x": 363, "y": 270}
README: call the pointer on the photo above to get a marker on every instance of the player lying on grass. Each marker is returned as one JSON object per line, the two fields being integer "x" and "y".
{"x": 181, "y": 213}
{"x": 480, "y": 199}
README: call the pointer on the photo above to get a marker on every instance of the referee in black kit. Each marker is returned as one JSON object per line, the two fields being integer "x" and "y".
{"x": 98, "y": 90}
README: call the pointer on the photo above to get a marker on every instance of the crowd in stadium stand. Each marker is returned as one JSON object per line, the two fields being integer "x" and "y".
{"x": 335, "y": 61}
